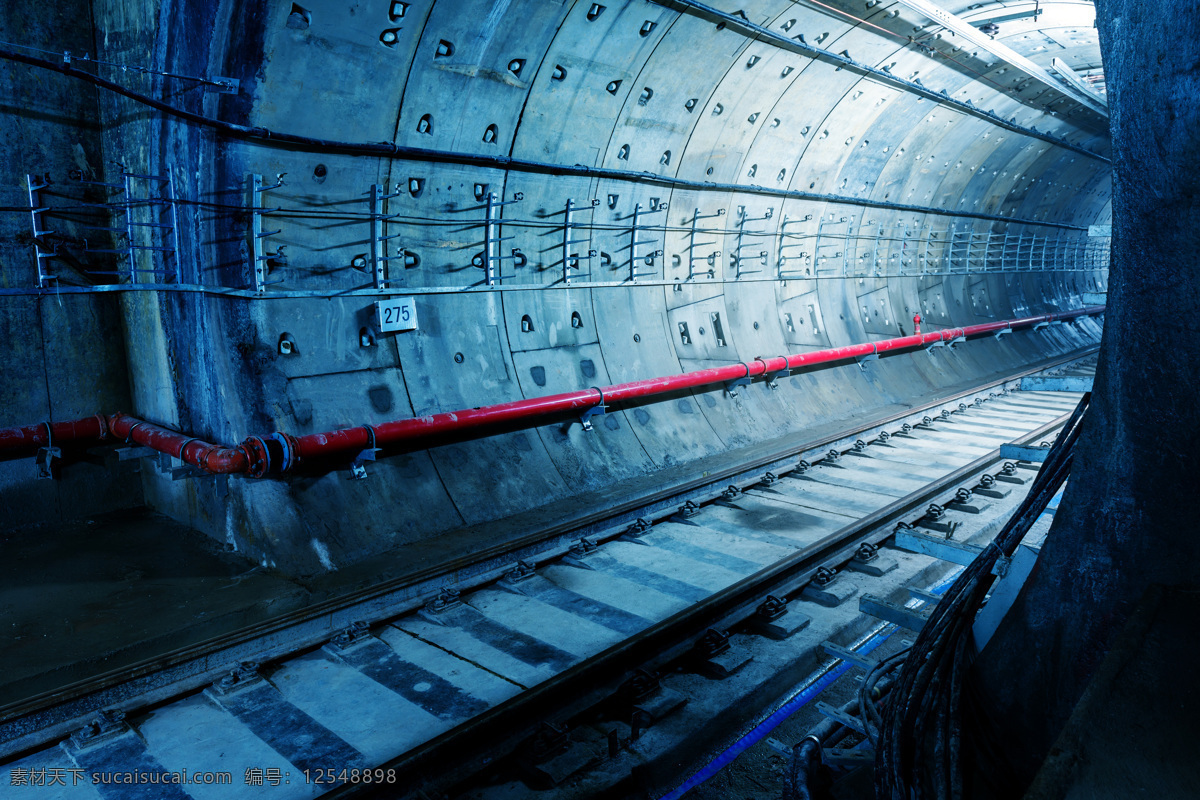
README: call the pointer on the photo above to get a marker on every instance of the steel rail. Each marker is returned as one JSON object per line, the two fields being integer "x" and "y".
{"x": 279, "y": 453}
{"x": 594, "y": 680}
{"x": 30, "y": 723}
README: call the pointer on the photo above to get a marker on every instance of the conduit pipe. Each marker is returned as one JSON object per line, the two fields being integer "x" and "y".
{"x": 258, "y": 456}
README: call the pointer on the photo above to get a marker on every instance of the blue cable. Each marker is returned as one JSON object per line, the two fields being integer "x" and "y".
{"x": 801, "y": 699}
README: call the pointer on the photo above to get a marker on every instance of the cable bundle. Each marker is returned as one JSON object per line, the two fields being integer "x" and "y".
{"x": 918, "y": 739}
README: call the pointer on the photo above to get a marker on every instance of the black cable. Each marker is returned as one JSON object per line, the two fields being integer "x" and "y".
{"x": 920, "y": 736}
{"x": 391, "y": 150}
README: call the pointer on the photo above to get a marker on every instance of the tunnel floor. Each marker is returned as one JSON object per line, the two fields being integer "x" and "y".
{"x": 87, "y": 597}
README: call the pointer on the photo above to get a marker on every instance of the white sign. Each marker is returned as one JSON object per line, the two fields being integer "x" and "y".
{"x": 397, "y": 314}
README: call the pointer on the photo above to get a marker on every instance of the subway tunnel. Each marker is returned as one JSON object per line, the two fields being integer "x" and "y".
{"x": 353, "y": 251}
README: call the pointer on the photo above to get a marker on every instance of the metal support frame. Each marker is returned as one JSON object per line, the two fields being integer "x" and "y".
{"x": 258, "y": 259}
{"x": 961, "y": 251}
{"x": 492, "y": 237}
{"x": 379, "y": 256}
{"x": 939, "y": 547}
{"x": 737, "y": 256}
{"x": 571, "y": 260}
{"x": 911, "y": 618}
{"x": 783, "y": 259}
{"x": 127, "y": 179}
{"x": 36, "y": 210}
{"x": 712, "y": 257}
{"x": 634, "y": 243}
{"x": 981, "y": 40}
{"x": 166, "y": 187}
{"x": 1020, "y": 452}
{"x": 173, "y": 200}
{"x": 822, "y": 234}
{"x": 1063, "y": 70}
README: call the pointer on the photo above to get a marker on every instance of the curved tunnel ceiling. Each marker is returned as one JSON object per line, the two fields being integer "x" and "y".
{"x": 803, "y": 175}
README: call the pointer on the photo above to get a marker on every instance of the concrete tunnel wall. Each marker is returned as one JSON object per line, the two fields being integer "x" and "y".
{"x": 633, "y": 86}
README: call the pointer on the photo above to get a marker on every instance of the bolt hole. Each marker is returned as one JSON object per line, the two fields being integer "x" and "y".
{"x": 300, "y": 18}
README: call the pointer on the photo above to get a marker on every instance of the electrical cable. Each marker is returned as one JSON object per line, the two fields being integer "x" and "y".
{"x": 920, "y": 732}
{"x": 392, "y": 150}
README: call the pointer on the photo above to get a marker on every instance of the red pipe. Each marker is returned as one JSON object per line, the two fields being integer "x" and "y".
{"x": 280, "y": 452}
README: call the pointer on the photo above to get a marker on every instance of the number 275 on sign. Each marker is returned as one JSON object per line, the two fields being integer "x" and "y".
{"x": 397, "y": 314}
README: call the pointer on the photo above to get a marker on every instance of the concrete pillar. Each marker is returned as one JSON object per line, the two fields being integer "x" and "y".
{"x": 1129, "y": 517}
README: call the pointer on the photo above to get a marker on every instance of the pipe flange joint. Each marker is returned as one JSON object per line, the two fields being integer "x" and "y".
{"x": 257, "y": 456}
{"x": 269, "y": 454}
{"x": 288, "y": 446}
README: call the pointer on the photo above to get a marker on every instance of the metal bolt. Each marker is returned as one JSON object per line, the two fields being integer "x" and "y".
{"x": 771, "y": 608}
{"x": 583, "y": 547}
{"x": 638, "y": 528}
{"x": 713, "y": 643}
{"x": 520, "y": 572}
{"x": 352, "y": 633}
{"x": 866, "y": 552}
{"x": 824, "y": 576}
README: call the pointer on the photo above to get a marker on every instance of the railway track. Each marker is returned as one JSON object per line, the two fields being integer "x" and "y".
{"x": 491, "y": 670}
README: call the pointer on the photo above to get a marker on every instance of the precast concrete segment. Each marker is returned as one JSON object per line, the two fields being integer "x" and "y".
{"x": 279, "y": 452}
{"x": 740, "y": 22}
{"x": 387, "y": 150}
